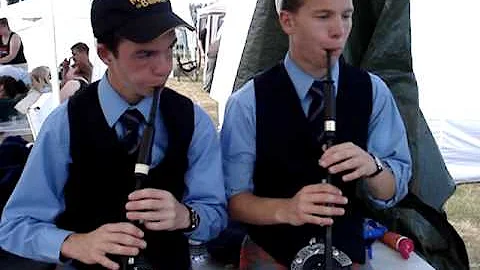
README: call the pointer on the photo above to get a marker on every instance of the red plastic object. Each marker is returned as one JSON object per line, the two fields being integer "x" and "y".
{"x": 402, "y": 244}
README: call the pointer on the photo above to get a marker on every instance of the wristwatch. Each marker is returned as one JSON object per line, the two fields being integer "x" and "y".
{"x": 378, "y": 164}
{"x": 194, "y": 219}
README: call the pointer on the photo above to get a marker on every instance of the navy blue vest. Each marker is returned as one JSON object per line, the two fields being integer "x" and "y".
{"x": 101, "y": 174}
{"x": 287, "y": 158}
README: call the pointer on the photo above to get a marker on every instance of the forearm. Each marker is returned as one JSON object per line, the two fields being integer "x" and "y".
{"x": 401, "y": 171}
{"x": 204, "y": 179}
{"x": 251, "y": 209}
{"x": 6, "y": 59}
{"x": 382, "y": 186}
{"x": 43, "y": 244}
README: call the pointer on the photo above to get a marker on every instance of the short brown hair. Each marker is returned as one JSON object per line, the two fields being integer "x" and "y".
{"x": 80, "y": 46}
{"x": 111, "y": 41}
{"x": 291, "y": 5}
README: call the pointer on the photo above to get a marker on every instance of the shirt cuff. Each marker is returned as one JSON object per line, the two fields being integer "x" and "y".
{"x": 53, "y": 239}
{"x": 381, "y": 204}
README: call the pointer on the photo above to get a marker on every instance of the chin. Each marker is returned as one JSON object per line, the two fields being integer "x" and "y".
{"x": 150, "y": 89}
{"x": 158, "y": 84}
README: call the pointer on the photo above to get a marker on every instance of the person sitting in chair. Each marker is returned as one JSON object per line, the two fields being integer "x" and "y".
{"x": 11, "y": 47}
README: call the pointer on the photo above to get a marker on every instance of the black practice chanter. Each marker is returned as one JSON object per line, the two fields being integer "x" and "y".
{"x": 142, "y": 168}
{"x": 320, "y": 255}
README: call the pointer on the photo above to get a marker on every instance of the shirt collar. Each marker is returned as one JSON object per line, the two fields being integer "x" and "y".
{"x": 302, "y": 81}
{"x": 113, "y": 105}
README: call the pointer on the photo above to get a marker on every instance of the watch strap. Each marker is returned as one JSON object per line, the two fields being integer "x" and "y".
{"x": 194, "y": 219}
{"x": 378, "y": 164}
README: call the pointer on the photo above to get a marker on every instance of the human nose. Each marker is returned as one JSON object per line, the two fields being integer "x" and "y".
{"x": 338, "y": 27}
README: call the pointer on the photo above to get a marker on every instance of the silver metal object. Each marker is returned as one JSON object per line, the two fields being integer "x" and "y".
{"x": 312, "y": 257}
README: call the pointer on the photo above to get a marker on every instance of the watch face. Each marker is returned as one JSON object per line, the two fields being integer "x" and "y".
{"x": 379, "y": 164}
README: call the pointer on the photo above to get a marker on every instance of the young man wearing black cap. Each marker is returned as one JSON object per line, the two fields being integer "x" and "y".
{"x": 75, "y": 197}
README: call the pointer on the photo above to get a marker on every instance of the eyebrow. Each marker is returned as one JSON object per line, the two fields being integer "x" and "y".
{"x": 329, "y": 11}
{"x": 140, "y": 51}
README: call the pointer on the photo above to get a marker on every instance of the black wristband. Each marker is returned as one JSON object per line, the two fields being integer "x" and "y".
{"x": 378, "y": 164}
{"x": 194, "y": 219}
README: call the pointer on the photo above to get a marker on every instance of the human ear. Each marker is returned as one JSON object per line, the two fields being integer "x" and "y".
{"x": 286, "y": 21}
{"x": 104, "y": 54}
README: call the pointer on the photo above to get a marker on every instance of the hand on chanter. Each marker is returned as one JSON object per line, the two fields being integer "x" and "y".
{"x": 315, "y": 204}
{"x": 92, "y": 248}
{"x": 158, "y": 209}
{"x": 348, "y": 157}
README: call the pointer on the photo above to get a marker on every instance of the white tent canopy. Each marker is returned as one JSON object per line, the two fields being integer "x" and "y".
{"x": 446, "y": 54}
{"x": 235, "y": 30}
{"x": 218, "y": 7}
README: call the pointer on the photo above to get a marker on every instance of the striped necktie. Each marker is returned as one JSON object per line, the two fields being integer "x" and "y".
{"x": 315, "y": 111}
{"x": 131, "y": 121}
{"x": 317, "y": 105}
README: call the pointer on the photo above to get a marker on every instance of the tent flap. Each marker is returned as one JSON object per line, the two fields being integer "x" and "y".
{"x": 266, "y": 44}
{"x": 380, "y": 43}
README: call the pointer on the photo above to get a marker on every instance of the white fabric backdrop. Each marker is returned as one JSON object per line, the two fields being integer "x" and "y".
{"x": 446, "y": 53}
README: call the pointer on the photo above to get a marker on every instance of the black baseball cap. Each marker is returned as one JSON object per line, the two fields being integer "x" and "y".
{"x": 136, "y": 20}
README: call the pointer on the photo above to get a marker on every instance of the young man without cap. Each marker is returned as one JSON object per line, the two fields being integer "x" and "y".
{"x": 274, "y": 164}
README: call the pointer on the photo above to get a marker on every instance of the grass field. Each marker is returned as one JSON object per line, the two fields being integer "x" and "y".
{"x": 194, "y": 91}
{"x": 463, "y": 208}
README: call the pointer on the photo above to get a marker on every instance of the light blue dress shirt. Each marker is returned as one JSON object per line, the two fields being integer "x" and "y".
{"x": 387, "y": 137}
{"x": 27, "y": 227}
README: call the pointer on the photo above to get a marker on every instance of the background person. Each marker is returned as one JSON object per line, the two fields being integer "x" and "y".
{"x": 39, "y": 84}
{"x": 11, "y": 48}
{"x": 80, "y": 52}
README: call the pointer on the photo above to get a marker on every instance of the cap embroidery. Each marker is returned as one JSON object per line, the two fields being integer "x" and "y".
{"x": 145, "y": 3}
